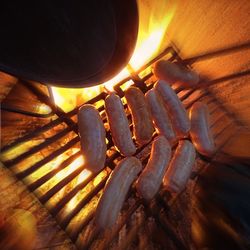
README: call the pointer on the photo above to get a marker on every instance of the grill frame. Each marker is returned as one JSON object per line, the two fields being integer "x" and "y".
{"x": 162, "y": 202}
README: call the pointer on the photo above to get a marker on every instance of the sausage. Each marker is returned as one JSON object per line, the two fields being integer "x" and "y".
{"x": 142, "y": 121}
{"x": 119, "y": 125}
{"x": 175, "y": 108}
{"x": 180, "y": 167}
{"x": 200, "y": 133}
{"x": 115, "y": 192}
{"x": 92, "y": 135}
{"x": 172, "y": 73}
{"x": 151, "y": 177}
{"x": 160, "y": 116}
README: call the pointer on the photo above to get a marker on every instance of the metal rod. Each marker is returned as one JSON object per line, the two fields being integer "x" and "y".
{"x": 83, "y": 202}
{"x": 37, "y": 148}
{"x": 32, "y": 134}
{"x": 24, "y": 112}
{"x": 79, "y": 187}
{"x": 34, "y": 185}
{"x": 77, "y": 229}
{"x": 45, "y": 197}
{"x": 47, "y": 159}
{"x": 62, "y": 183}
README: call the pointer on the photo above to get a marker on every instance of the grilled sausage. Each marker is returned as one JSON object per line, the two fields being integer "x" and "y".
{"x": 92, "y": 134}
{"x": 175, "y": 108}
{"x": 115, "y": 191}
{"x": 160, "y": 116}
{"x": 142, "y": 121}
{"x": 180, "y": 167}
{"x": 200, "y": 131}
{"x": 172, "y": 73}
{"x": 119, "y": 125}
{"x": 150, "y": 179}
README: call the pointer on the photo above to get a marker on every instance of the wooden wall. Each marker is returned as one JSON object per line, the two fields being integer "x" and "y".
{"x": 201, "y": 26}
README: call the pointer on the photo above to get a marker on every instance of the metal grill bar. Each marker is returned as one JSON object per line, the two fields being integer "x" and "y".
{"x": 32, "y": 134}
{"x": 46, "y": 160}
{"x": 37, "y": 148}
{"x": 34, "y": 185}
{"x": 23, "y": 112}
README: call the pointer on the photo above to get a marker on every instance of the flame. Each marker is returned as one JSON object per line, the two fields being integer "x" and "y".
{"x": 69, "y": 98}
{"x": 154, "y": 18}
{"x": 122, "y": 75}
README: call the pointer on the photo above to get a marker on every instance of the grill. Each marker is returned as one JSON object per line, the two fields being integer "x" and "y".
{"x": 45, "y": 168}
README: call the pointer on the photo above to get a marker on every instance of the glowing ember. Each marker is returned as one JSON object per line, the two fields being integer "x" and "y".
{"x": 81, "y": 178}
{"x": 154, "y": 18}
{"x": 71, "y": 168}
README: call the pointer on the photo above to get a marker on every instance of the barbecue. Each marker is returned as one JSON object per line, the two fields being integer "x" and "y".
{"x": 68, "y": 194}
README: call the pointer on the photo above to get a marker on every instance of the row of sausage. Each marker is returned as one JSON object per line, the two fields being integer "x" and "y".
{"x": 160, "y": 109}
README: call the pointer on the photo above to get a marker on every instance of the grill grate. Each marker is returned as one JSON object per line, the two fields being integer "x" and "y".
{"x": 77, "y": 221}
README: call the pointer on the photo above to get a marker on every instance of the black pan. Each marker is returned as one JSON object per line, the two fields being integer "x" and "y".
{"x": 68, "y": 43}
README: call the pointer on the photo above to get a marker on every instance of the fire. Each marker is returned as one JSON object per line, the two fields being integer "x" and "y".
{"x": 122, "y": 75}
{"x": 69, "y": 98}
{"x": 154, "y": 18}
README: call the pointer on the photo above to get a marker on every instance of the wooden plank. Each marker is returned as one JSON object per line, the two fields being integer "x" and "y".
{"x": 7, "y": 82}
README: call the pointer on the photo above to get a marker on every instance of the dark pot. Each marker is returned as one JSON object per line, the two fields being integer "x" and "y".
{"x": 67, "y": 43}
